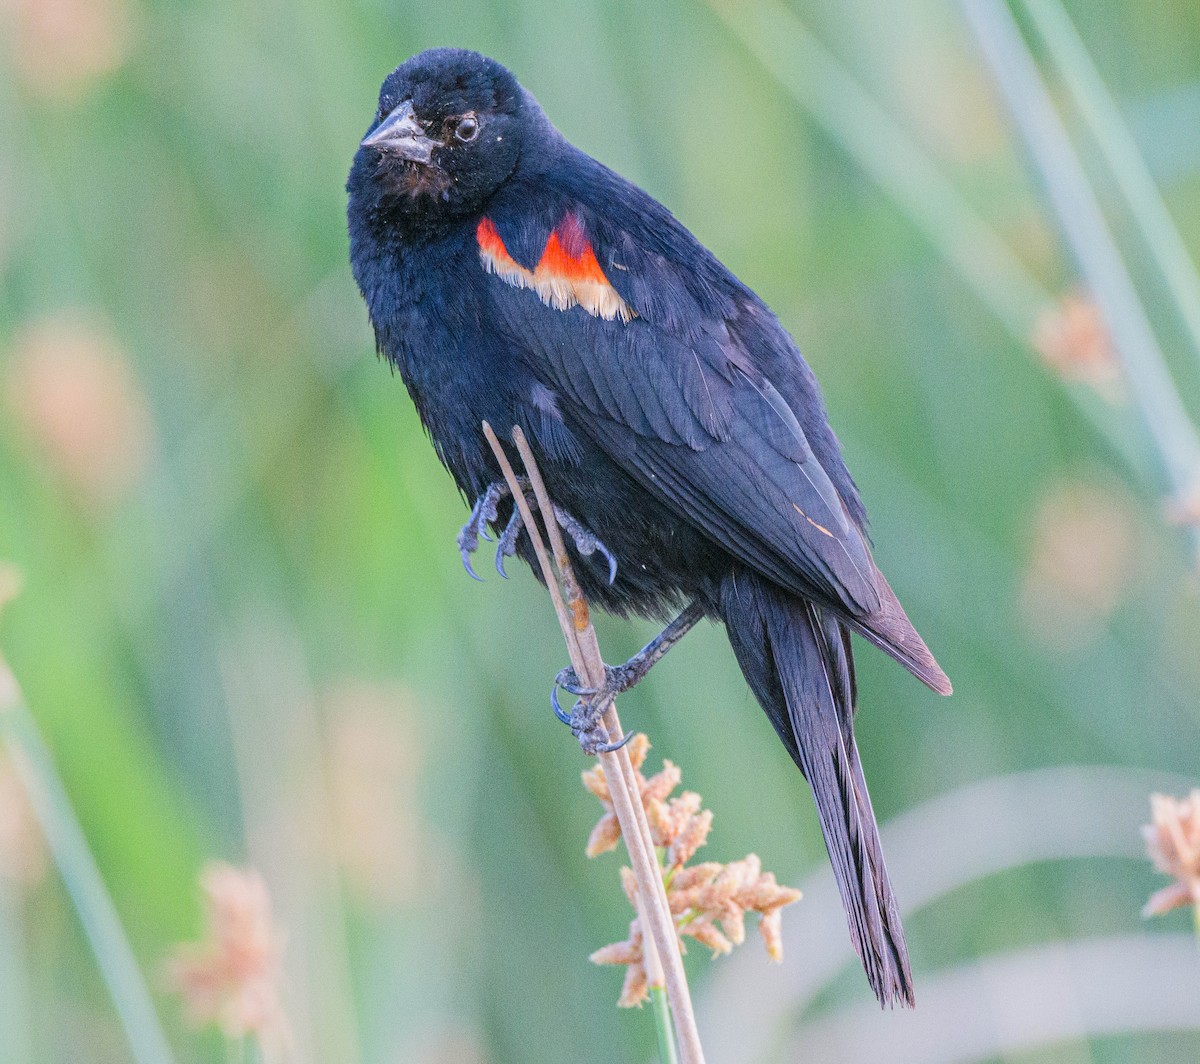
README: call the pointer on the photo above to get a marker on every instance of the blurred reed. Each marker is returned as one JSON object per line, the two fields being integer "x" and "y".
{"x": 73, "y": 856}
{"x": 1094, "y": 102}
{"x": 831, "y": 94}
{"x": 1087, "y": 234}
{"x": 997, "y": 825}
{"x": 886, "y": 151}
{"x": 285, "y": 474}
{"x": 1042, "y": 997}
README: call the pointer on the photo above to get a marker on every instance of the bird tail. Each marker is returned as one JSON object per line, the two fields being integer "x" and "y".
{"x": 796, "y": 657}
{"x": 890, "y": 629}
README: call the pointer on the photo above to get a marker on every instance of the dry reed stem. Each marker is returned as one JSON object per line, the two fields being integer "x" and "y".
{"x": 583, "y": 648}
{"x": 593, "y": 661}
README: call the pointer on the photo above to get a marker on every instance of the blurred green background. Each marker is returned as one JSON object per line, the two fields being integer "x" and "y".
{"x": 246, "y": 635}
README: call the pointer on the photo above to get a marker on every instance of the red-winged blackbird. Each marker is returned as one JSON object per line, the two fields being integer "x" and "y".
{"x": 514, "y": 279}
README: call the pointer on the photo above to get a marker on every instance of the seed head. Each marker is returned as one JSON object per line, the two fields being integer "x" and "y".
{"x": 231, "y": 978}
{"x": 1074, "y": 341}
{"x": 1173, "y": 843}
{"x": 708, "y": 901}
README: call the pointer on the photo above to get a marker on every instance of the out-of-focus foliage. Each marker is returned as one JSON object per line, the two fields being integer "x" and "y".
{"x": 246, "y": 634}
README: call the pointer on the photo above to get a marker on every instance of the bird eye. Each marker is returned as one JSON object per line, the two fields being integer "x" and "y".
{"x": 467, "y": 129}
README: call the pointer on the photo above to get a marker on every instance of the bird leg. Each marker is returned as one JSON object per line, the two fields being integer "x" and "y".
{"x": 584, "y": 718}
{"x": 484, "y": 513}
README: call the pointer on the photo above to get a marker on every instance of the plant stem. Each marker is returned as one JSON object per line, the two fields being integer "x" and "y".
{"x": 1090, "y": 240}
{"x": 662, "y": 1024}
{"x": 656, "y": 984}
{"x": 91, "y": 899}
{"x": 638, "y": 841}
{"x": 656, "y": 987}
{"x": 584, "y": 652}
{"x": 1124, "y": 159}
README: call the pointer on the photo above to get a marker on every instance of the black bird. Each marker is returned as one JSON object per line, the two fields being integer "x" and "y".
{"x": 512, "y": 278}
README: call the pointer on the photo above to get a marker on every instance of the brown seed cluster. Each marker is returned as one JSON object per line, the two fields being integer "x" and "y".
{"x": 62, "y": 49}
{"x": 1083, "y": 559}
{"x": 709, "y": 901}
{"x": 232, "y": 977}
{"x": 73, "y": 393}
{"x": 1073, "y": 341}
{"x": 1173, "y": 843}
{"x": 375, "y": 762}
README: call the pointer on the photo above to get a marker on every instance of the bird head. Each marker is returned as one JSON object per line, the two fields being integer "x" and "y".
{"x": 447, "y": 133}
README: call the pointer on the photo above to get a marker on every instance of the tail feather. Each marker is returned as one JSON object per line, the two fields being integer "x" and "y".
{"x": 797, "y": 660}
{"x": 887, "y": 897}
{"x": 890, "y": 629}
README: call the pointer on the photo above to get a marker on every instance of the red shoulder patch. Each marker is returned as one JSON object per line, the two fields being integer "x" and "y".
{"x": 490, "y": 243}
{"x": 559, "y": 261}
{"x": 567, "y": 274}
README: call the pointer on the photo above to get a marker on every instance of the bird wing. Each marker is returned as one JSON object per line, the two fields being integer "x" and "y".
{"x": 664, "y": 361}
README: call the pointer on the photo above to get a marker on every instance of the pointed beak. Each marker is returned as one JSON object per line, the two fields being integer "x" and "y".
{"x": 401, "y": 134}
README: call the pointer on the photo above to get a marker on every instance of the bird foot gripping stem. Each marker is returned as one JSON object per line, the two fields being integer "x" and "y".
{"x": 586, "y": 717}
{"x": 484, "y": 513}
{"x": 584, "y": 720}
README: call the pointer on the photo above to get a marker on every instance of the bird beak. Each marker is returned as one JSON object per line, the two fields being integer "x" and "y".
{"x": 401, "y": 134}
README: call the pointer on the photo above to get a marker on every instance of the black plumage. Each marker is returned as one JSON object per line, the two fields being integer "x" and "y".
{"x": 514, "y": 279}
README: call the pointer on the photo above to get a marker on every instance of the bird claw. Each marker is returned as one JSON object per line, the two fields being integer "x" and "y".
{"x": 559, "y": 712}
{"x": 592, "y": 746}
{"x": 506, "y": 546}
{"x": 468, "y": 544}
{"x": 584, "y": 719}
{"x": 585, "y": 540}
{"x": 568, "y": 680}
{"x": 484, "y": 513}
{"x": 466, "y": 560}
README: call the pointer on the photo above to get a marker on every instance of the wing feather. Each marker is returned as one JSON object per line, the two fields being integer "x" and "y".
{"x": 678, "y": 396}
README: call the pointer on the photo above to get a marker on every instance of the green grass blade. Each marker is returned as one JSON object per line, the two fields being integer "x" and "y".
{"x": 91, "y": 899}
{"x": 663, "y": 1025}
